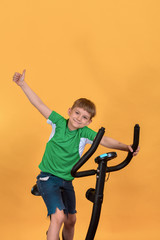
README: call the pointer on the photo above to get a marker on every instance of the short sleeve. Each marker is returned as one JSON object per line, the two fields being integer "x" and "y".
{"x": 54, "y": 117}
{"x": 89, "y": 133}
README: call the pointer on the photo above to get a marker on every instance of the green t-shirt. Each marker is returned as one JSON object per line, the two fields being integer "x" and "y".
{"x": 64, "y": 147}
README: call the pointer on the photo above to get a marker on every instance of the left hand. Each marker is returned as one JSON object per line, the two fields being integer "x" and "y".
{"x": 131, "y": 150}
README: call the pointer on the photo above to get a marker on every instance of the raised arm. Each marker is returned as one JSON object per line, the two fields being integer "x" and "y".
{"x": 19, "y": 79}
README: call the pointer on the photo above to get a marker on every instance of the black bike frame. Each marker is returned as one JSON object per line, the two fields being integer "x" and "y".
{"x": 96, "y": 195}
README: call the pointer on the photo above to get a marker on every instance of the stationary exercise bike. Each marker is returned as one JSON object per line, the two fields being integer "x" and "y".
{"x": 96, "y": 195}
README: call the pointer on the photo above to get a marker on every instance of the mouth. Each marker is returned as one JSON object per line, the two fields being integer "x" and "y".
{"x": 76, "y": 121}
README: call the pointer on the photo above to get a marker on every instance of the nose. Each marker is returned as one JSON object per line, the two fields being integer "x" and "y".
{"x": 79, "y": 118}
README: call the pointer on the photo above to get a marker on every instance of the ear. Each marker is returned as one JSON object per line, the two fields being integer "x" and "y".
{"x": 69, "y": 111}
{"x": 89, "y": 121}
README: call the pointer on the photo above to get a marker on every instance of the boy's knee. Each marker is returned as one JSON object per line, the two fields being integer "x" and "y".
{"x": 70, "y": 220}
{"x": 58, "y": 217}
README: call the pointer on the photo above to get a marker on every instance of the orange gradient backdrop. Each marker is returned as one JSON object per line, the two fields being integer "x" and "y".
{"x": 107, "y": 51}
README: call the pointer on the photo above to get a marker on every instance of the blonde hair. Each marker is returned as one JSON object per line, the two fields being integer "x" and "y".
{"x": 86, "y": 104}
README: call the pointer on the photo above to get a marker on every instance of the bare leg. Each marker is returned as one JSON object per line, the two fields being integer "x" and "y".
{"x": 68, "y": 229}
{"x": 56, "y": 222}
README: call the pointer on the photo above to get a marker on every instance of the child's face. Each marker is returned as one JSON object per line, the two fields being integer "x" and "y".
{"x": 78, "y": 118}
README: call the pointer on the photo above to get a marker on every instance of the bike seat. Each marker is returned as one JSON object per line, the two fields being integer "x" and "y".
{"x": 35, "y": 190}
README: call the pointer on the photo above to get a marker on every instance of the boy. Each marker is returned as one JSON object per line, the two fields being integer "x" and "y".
{"x": 64, "y": 148}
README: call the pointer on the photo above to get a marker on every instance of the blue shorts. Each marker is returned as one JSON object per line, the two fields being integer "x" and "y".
{"x": 56, "y": 193}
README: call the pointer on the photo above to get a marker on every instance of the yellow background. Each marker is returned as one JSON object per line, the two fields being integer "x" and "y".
{"x": 109, "y": 52}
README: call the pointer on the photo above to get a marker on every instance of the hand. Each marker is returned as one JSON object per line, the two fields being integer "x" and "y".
{"x": 18, "y": 78}
{"x": 131, "y": 150}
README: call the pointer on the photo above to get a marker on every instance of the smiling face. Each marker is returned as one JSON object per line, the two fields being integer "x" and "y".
{"x": 78, "y": 118}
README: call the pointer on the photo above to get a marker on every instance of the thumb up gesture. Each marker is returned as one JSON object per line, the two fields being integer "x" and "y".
{"x": 18, "y": 78}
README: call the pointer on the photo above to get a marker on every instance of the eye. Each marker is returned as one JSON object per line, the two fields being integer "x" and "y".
{"x": 85, "y": 117}
{"x": 77, "y": 112}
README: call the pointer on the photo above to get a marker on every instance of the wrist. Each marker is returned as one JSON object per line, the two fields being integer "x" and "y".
{"x": 125, "y": 147}
{"x": 22, "y": 84}
{"x": 129, "y": 148}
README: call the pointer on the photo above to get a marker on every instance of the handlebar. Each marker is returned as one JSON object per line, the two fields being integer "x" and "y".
{"x": 87, "y": 155}
{"x": 93, "y": 148}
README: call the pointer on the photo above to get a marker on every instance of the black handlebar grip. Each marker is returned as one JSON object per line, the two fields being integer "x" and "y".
{"x": 87, "y": 155}
{"x": 136, "y": 137}
{"x": 130, "y": 154}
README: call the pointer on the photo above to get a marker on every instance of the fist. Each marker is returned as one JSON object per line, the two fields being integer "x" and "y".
{"x": 18, "y": 78}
